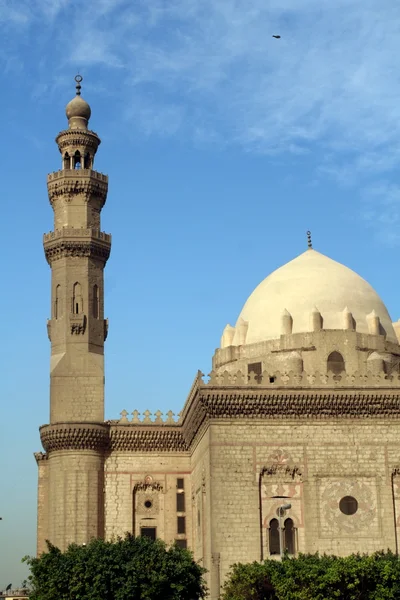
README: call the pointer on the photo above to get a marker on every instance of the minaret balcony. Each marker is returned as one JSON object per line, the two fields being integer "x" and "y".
{"x": 72, "y": 182}
{"x": 82, "y": 242}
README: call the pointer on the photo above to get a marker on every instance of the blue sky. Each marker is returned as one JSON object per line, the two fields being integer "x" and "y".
{"x": 223, "y": 146}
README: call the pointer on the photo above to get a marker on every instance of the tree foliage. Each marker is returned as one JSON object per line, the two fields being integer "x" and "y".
{"x": 314, "y": 577}
{"x": 130, "y": 568}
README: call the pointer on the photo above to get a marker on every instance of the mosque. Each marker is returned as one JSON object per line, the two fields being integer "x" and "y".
{"x": 292, "y": 443}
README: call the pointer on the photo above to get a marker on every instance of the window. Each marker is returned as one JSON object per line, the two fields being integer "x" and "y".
{"x": 180, "y": 502}
{"x": 87, "y": 161}
{"x": 180, "y": 483}
{"x": 67, "y": 161}
{"x": 289, "y": 536}
{"x": 57, "y": 306}
{"x": 150, "y": 532}
{"x": 348, "y": 505}
{"x": 77, "y": 300}
{"x": 255, "y": 368}
{"x": 274, "y": 537}
{"x": 95, "y": 301}
{"x": 336, "y": 363}
{"x": 181, "y": 543}
{"x": 181, "y": 524}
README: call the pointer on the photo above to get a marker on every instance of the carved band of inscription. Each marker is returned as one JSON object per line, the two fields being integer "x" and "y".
{"x": 71, "y": 436}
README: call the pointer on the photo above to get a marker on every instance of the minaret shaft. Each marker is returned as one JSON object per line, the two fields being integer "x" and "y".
{"x": 72, "y": 471}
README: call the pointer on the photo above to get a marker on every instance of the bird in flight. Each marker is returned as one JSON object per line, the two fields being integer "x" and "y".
{"x": 277, "y": 37}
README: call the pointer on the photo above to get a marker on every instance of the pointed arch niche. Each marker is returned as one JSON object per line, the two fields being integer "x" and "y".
{"x": 281, "y": 483}
{"x": 335, "y": 363}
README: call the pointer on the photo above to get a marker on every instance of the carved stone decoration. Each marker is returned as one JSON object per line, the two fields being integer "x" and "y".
{"x": 147, "y": 502}
{"x": 77, "y": 323}
{"x": 363, "y": 521}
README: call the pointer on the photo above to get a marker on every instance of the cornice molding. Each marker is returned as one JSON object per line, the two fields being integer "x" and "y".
{"x": 74, "y": 436}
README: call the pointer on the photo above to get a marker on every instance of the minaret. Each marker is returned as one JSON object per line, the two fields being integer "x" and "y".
{"x": 77, "y": 251}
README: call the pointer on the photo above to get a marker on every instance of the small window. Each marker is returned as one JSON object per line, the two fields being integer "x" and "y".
{"x": 274, "y": 537}
{"x": 348, "y": 505}
{"x": 181, "y": 543}
{"x": 255, "y": 368}
{"x": 336, "y": 363}
{"x": 148, "y": 503}
{"x": 289, "y": 536}
{"x": 180, "y": 483}
{"x": 181, "y": 525}
{"x": 180, "y": 502}
{"x": 150, "y": 532}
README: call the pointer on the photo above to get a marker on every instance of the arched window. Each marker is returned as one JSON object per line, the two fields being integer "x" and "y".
{"x": 274, "y": 537}
{"x": 87, "y": 163}
{"x": 57, "y": 304}
{"x": 77, "y": 160}
{"x": 77, "y": 299}
{"x": 96, "y": 302}
{"x": 67, "y": 161}
{"x": 336, "y": 363}
{"x": 289, "y": 530}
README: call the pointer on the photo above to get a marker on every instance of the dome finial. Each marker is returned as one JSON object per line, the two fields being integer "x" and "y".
{"x": 78, "y": 79}
{"x": 309, "y": 242}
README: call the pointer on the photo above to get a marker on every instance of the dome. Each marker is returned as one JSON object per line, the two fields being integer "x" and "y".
{"x": 78, "y": 107}
{"x": 310, "y": 285}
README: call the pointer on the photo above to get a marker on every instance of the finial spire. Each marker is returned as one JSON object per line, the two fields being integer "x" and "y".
{"x": 309, "y": 242}
{"x": 78, "y": 79}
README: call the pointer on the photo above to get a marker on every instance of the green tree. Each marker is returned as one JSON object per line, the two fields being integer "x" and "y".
{"x": 314, "y": 577}
{"x": 130, "y": 568}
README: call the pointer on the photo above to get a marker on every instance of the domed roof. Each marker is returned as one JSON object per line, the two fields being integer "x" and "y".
{"x": 310, "y": 281}
{"x": 78, "y": 107}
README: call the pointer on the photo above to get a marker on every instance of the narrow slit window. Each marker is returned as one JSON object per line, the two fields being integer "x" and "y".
{"x": 181, "y": 524}
{"x": 180, "y": 502}
{"x": 180, "y": 483}
{"x": 96, "y": 302}
{"x": 181, "y": 543}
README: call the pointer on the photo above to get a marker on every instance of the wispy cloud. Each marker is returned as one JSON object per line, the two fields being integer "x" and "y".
{"x": 210, "y": 68}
